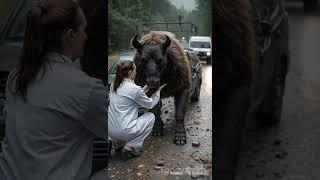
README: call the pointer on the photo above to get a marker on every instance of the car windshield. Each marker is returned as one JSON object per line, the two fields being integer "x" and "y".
{"x": 6, "y": 8}
{"x": 18, "y": 27}
{"x": 199, "y": 44}
{"x": 119, "y": 60}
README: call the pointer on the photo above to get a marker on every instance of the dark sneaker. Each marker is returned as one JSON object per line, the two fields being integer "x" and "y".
{"x": 118, "y": 146}
{"x": 118, "y": 149}
{"x": 126, "y": 154}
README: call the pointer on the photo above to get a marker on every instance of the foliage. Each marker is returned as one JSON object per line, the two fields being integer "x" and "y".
{"x": 125, "y": 18}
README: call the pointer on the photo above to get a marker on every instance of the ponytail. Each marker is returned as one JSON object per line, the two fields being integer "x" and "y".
{"x": 122, "y": 72}
{"x": 45, "y": 26}
{"x": 32, "y": 52}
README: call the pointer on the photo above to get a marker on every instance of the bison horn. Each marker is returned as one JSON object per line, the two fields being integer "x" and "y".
{"x": 136, "y": 44}
{"x": 166, "y": 44}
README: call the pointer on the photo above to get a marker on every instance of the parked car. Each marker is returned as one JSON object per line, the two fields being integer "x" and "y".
{"x": 123, "y": 55}
{"x": 263, "y": 103}
{"x": 202, "y": 46}
{"x": 272, "y": 61}
{"x": 195, "y": 65}
{"x": 11, "y": 39}
{"x": 196, "y": 73}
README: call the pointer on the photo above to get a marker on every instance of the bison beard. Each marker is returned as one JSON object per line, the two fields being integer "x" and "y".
{"x": 160, "y": 59}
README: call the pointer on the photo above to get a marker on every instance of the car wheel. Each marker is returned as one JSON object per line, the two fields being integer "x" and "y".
{"x": 196, "y": 96}
{"x": 271, "y": 113}
{"x": 274, "y": 115}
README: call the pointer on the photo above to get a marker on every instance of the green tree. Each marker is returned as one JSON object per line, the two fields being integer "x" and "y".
{"x": 204, "y": 16}
{"x": 125, "y": 15}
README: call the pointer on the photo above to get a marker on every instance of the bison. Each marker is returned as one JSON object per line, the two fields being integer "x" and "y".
{"x": 160, "y": 59}
{"x": 235, "y": 55}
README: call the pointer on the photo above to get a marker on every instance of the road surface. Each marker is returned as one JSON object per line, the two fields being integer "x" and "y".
{"x": 291, "y": 150}
{"x": 181, "y": 161}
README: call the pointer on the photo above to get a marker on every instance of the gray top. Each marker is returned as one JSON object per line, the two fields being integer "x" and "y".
{"x": 50, "y": 136}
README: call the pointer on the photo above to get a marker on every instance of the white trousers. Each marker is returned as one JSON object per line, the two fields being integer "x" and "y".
{"x": 137, "y": 134}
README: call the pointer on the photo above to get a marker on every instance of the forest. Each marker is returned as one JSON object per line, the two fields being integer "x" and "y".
{"x": 125, "y": 18}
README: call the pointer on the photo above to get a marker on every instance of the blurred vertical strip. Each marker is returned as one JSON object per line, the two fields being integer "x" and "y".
{"x": 94, "y": 60}
{"x": 7, "y": 7}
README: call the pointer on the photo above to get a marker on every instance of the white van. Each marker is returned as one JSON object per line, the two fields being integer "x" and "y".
{"x": 202, "y": 46}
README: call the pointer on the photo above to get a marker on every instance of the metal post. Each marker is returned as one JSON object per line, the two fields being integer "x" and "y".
{"x": 180, "y": 19}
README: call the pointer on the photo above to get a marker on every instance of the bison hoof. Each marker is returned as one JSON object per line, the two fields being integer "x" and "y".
{"x": 157, "y": 131}
{"x": 180, "y": 139}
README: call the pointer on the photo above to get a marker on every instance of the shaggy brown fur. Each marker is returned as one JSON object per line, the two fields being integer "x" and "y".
{"x": 234, "y": 54}
{"x": 177, "y": 74}
{"x": 163, "y": 61}
{"x": 234, "y": 36}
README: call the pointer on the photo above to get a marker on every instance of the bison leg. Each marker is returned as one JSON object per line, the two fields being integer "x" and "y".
{"x": 181, "y": 102}
{"x": 158, "y": 124}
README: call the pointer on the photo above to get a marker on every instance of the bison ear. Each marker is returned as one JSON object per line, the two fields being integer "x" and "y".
{"x": 166, "y": 44}
{"x": 136, "y": 44}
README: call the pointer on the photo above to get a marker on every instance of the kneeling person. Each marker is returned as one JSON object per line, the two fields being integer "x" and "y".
{"x": 125, "y": 98}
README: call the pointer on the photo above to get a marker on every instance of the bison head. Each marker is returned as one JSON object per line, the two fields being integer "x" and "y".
{"x": 152, "y": 59}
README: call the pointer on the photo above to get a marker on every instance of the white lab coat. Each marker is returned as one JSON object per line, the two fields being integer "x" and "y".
{"x": 123, "y": 121}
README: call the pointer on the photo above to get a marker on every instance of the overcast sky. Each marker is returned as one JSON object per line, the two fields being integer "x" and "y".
{"x": 187, "y": 4}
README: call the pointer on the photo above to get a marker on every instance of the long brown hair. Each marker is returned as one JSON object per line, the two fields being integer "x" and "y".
{"x": 122, "y": 72}
{"x": 45, "y": 26}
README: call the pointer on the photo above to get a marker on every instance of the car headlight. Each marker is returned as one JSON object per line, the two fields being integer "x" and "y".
{"x": 208, "y": 53}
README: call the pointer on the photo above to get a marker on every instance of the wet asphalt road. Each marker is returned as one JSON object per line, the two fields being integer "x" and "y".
{"x": 176, "y": 159}
{"x": 291, "y": 150}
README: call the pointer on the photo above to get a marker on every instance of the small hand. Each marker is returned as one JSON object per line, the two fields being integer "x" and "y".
{"x": 145, "y": 88}
{"x": 162, "y": 86}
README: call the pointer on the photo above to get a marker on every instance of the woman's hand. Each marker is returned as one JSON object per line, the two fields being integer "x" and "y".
{"x": 145, "y": 88}
{"x": 162, "y": 86}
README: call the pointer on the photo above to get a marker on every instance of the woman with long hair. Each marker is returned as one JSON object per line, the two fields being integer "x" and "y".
{"x": 123, "y": 121}
{"x": 53, "y": 110}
